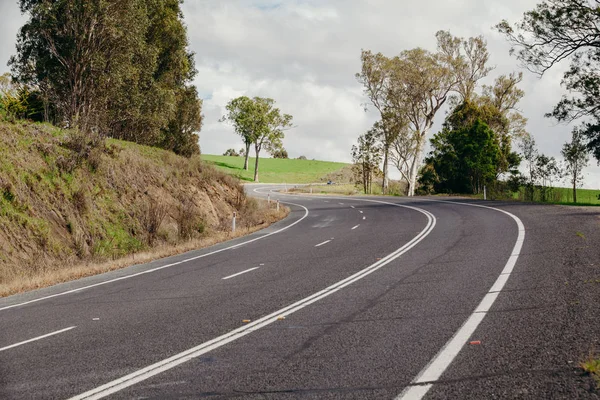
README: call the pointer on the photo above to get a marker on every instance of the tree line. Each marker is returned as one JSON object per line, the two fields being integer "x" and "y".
{"x": 475, "y": 146}
{"x": 113, "y": 68}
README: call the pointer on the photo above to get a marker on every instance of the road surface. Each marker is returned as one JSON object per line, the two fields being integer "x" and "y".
{"x": 347, "y": 298}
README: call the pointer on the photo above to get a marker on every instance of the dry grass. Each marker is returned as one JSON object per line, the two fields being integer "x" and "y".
{"x": 75, "y": 271}
{"x": 72, "y": 206}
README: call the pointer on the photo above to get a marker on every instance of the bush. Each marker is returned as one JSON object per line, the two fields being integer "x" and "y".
{"x": 153, "y": 213}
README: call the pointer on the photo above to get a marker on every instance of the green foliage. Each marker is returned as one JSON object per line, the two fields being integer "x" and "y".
{"x": 116, "y": 67}
{"x": 231, "y": 153}
{"x": 576, "y": 158}
{"x": 558, "y": 30}
{"x": 280, "y": 153}
{"x": 258, "y": 122}
{"x": 467, "y": 154}
{"x": 464, "y": 159}
{"x": 366, "y": 157}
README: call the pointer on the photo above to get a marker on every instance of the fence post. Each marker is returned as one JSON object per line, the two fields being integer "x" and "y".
{"x": 233, "y": 222}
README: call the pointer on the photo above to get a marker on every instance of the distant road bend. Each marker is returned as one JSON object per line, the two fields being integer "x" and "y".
{"x": 349, "y": 298}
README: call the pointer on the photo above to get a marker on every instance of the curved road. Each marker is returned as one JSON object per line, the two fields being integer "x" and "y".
{"x": 347, "y": 298}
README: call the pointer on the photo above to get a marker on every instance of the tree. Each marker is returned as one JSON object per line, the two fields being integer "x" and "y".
{"x": 530, "y": 154}
{"x": 375, "y": 76}
{"x": 558, "y": 30}
{"x": 417, "y": 83}
{"x": 280, "y": 153}
{"x": 231, "y": 153}
{"x": 576, "y": 158}
{"x": 180, "y": 134}
{"x": 242, "y": 114}
{"x": 464, "y": 159}
{"x": 116, "y": 68}
{"x": 547, "y": 169}
{"x": 366, "y": 157}
{"x": 270, "y": 127}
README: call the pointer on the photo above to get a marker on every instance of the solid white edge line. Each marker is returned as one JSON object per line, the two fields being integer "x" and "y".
{"x": 171, "y": 362}
{"x": 239, "y": 273}
{"x": 438, "y": 365}
{"x": 355, "y": 227}
{"x": 321, "y": 244}
{"x": 161, "y": 267}
{"x": 37, "y": 338}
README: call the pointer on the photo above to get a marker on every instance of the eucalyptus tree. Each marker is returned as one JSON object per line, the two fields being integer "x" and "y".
{"x": 241, "y": 113}
{"x": 366, "y": 156}
{"x": 270, "y": 127}
{"x": 119, "y": 68}
{"x": 413, "y": 86}
{"x": 575, "y": 153}
{"x": 564, "y": 30}
{"x": 375, "y": 76}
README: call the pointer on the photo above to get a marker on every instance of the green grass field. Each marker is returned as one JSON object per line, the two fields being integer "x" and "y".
{"x": 275, "y": 170}
{"x": 562, "y": 195}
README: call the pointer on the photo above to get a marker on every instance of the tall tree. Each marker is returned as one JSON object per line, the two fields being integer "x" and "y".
{"x": 576, "y": 157}
{"x": 423, "y": 82}
{"x": 270, "y": 128}
{"x": 559, "y": 30}
{"x": 120, "y": 68}
{"x": 366, "y": 157}
{"x": 375, "y": 76}
{"x": 530, "y": 154}
{"x": 464, "y": 159}
{"x": 242, "y": 114}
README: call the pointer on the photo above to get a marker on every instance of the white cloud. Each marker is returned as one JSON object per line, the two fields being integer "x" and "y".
{"x": 304, "y": 54}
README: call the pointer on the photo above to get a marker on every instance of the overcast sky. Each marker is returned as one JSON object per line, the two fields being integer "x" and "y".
{"x": 304, "y": 54}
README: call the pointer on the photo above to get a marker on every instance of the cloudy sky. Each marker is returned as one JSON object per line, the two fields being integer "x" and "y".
{"x": 304, "y": 54}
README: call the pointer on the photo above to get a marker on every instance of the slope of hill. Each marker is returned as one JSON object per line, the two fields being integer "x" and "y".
{"x": 276, "y": 170}
{"x": 67, "y": 206}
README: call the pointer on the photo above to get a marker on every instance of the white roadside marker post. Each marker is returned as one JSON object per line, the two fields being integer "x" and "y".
{"x": 269, "y": 198}
{"x": 277, "y": 205}
{"x": 484, "y": 192}
{"x": 233, "y": 222}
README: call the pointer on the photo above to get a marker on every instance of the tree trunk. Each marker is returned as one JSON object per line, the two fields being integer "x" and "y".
{"x": 574, "y": 189}
{"x": 256, "y": 166}
{"x": 414, "y": 169}
{"x": 246, "y": 157}
{"x": 384, "y": 184}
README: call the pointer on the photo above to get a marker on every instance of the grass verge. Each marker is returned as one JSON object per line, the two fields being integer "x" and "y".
{"x": 53, "y": 276}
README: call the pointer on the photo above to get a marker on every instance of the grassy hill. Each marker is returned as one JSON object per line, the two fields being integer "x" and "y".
{"x": 71, "y": 208}
{"x": 276, "y": 170}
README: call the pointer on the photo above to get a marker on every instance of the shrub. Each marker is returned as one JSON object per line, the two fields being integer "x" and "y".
{"x": 153, "y": 214}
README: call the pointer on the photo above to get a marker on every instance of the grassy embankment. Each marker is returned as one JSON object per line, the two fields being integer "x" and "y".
{"x": 276, "y": 170}
{"x": 69, "y": 209}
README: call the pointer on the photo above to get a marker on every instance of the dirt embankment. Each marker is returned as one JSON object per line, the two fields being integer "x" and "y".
{"x": 69, "y": 208}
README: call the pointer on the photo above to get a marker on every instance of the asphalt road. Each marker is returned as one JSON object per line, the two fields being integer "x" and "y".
{"x": 352, "y": 298}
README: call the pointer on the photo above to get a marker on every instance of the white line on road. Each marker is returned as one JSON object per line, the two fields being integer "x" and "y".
{"x": 352, "y": 207}
{"x": 36, "y": 338}
{"x": 436, "y": 367}
{"x": 356, "y": 227}
{"x": 164, "y": 266}
{"x": 321, "y": 244}
{"x": 364, "y": 218}
{"x": 360, "y": 212}
{"x": 240, "y": 273}
{"x": 178, "y": 359}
